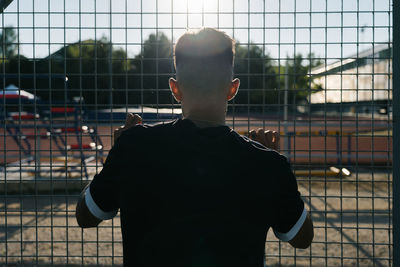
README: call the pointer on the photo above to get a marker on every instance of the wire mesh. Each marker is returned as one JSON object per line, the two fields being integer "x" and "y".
{"x": 318, "y": 72}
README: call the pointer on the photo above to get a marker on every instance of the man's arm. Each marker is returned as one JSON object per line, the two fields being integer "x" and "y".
{"x": 83, "y": 216}
{"x": 301, "y": 233}
{"x": 305, "y": 235}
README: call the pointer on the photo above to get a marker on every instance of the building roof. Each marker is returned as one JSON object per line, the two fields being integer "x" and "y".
{"x": 341, "y": 83}
{"x": 377, "y": 52}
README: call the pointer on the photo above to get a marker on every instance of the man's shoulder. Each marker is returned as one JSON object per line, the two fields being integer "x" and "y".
{"x": 143, "y": 136}
{"x": 146, "y": 129}
{"x": 256, "y": 147}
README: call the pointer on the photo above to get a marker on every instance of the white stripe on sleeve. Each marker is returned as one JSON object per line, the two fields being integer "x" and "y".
{"x": 95, "y": 210}
{"x": 295, "y": 229}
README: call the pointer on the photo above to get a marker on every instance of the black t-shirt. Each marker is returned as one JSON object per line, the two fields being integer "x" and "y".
{"x": 192, "y": 196}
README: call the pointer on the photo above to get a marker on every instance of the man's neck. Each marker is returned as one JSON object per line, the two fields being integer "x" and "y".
{"x": 201, "y": 123}
{"x": 205, "y": 118}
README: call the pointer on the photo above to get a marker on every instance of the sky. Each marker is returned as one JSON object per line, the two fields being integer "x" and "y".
{"x": 284, "y": 27}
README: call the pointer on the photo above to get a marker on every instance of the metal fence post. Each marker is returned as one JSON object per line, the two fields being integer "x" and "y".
{"x": 396, "y": 131}
{"x": 349, "y": 149}
{"x": 338, "y": 148}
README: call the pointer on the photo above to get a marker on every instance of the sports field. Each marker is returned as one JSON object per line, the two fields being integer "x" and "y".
{"x": 306, "y": 140}
{"x": 351, "y": 214}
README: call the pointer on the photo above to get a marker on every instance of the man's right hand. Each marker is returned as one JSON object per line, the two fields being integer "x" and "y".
{"x": 269, "y": 139}
{"x": 131, "y": 120}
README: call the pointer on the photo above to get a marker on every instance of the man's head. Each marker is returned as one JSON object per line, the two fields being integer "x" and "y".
{"x": 204, "y": 65}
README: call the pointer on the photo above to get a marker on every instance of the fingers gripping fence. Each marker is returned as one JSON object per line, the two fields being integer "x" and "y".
{"x": 317, "y": 72}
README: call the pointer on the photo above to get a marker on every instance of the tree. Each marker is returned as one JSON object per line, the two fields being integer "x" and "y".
{"x": 8, "y": 44}
{"x": 258, "y": 79}
{"x": 94, "y": 69}
{"x": 153, "y": 67}
{"x": 300, "y": 83}
{"x": 105, "y": 76}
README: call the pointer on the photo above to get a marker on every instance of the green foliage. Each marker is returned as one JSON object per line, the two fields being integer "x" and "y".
{"x": 105, "y": 76}
{"x": 300, "y": 84}
{"x": 258, "y": 81}
{"x": 8, "y": 45}
{"x": 153, "y": 67}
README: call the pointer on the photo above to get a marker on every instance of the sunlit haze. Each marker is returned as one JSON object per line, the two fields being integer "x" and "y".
{"x": 285, "y": 27}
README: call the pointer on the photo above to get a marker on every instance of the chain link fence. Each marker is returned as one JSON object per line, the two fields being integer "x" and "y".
{"x": 317, "y": 71}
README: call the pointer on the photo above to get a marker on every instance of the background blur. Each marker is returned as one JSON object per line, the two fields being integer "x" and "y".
{"x": 317, "y": 71}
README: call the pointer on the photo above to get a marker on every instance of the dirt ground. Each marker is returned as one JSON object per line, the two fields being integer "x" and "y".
{"x": 352, "y": 220}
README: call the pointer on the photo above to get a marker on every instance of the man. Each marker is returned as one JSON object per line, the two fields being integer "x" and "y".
{"x": 193, "y": 192}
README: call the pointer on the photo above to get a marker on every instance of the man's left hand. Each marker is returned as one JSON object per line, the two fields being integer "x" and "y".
{"x": 131, "y": 120}
{"x": 269, "y": 139}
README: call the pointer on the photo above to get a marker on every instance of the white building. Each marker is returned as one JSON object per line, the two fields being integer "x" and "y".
{"x": 359, "y": 83}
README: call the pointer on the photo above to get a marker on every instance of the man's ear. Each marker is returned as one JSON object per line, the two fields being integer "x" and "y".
{"x": 233, "y": 89}
{"x": 173, "y": 85}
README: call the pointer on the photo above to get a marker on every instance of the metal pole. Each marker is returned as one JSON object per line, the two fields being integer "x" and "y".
{"x": 285, "y": 100}
{"x": 37, "y": 154}
{"x": 396, "y": 131}
{"x": 285, "y": 110}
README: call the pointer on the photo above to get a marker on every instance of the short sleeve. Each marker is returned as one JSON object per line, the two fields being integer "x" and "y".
{"x": 102, "y": 195}
{"x": 290, "y": 212}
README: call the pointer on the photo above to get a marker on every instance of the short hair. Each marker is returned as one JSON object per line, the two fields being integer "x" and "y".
{"x": 204, "y": 54}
